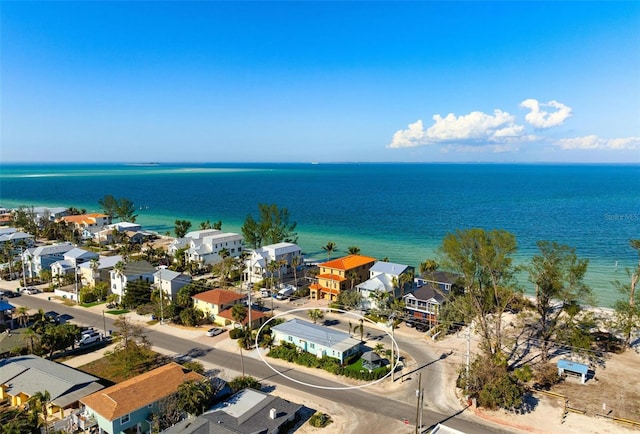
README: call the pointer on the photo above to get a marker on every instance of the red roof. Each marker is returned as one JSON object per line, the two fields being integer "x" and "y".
{"x": 348, "y": 262}
{"x": 219, "y": 296}
{"x": 332, "y": 277}
{"x": 255, "y": 314}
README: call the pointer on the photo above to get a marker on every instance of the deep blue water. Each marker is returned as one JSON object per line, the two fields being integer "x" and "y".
{"x": 399, "y": 211}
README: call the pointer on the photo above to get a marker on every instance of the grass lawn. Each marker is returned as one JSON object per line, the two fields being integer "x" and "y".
{"x": 118, "y": 311}
{"x": 112, "y": 368}
{"x": 357, "y": 367}
{"x": 95, "y": 303}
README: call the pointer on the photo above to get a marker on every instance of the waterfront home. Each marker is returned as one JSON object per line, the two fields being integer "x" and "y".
{"x": 424, "y": 303}
{"x": 40, "y": 213}
{"x": 205, "y": 246}
{"x": 136, "y": 270}
{"x": 129, "y": 406}
{"x": 21, "y": 377}
{"x": 87, "y": 223}
{"x": 249, "y": 411}
{"x": 387, "y": 281}
{"x": 257, "y": 263}
{"x": 340, "y": 274}
{"x": 170, "y": 281}
{"x": 38, "y": 259}
{"x": 97, "y": 270}
{"x": 444, "y": 280}
{"x": 316, "y": 339}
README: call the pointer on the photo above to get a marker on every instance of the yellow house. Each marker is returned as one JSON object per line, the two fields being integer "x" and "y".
{"x": 340, "y": 274}
{"x": 213, "y": 302}
{"x": 22, "y": 377}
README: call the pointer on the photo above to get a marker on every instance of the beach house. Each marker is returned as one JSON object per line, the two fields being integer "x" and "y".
{"x": 136, "y": 270}
{"x": 128, "y": 406}
{"x": 316, "y": 339}
{"x": 340, "y": 274}
{"x": 205, "y": 246}
{"x": 386, "y": 282}
{"x": 287, "y": 255}
{"x": 38, "y": 259}
{"x": 424, "y": 304}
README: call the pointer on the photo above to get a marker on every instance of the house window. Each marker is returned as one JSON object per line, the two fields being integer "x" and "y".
{"x": 312, "y": 346}
{"x": 125, "y": 419}
{"x": 290, "y": 338}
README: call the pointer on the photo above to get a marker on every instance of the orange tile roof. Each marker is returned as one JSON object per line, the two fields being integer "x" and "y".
{"x": 315, "y": 286}
{"x": 331, "y": 277}
{"x": 140, "y": 391}
{"x": 330, "y": 291}
{"x": 348, "y": 262}
{"x": 219, "y": 296}
{"x": 255, "y": 314}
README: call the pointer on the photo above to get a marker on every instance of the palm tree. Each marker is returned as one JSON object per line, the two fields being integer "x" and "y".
{"x": 39, "y": 403}
{"x": 354, "y": 250}
{"x": 315, "y": 315}
{"x": 354, "y": 278}
{"x": 194, "y": 396}
{"x": 381, "y": 298}
{"x": 23, "y": 316}
{"x": 295, "y": 262}
{"x": 330, "y": 248}
{"x": 239, "y": 313}
{"x": 31, "y": 337}
{"x": 428, "y": 267}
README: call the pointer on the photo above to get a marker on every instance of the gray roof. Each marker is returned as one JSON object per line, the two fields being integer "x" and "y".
{"x": 443, "y": 277}
{"x": 77, "y": 253}
{"x": 389, "y": 268}
{"x": 246, "y": 412}
{"x": 321, "y": 335}
{"x": 52, "y": 249}
{"x": 370, "y": 356}
{"x": 427, "y": 292}
{"x": 379, "y": 283}
{"x": 104, "y": 262}
{"x": 30, "y": 374}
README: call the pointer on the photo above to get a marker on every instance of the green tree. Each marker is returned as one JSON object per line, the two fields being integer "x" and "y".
{"x": 244, "y": 382}
{"x": 330, "y": 247}
{"x": 273, "y": 226}
{"x": 558, "y": 277}
{"x": 39, "y": 405}
{"x": 485, "y": 259}
{"x": 191, "y": 316}
{"x": 195, "y": 396}
{"x": 181, "y": 228}
{"x": 353, "y": 250}
{"x": 137, "y": 293}
{"x": 122, "y": 208}
{"x": 627, "y": 311}
{"x": 315, "y": 315}
{"x": 428, "y": 267}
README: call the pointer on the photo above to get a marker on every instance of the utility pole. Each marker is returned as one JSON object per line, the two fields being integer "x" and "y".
{"x": 418, "y": 395}
{"x": 393, "y": 358}
{"x": 24, "y": 274}
{"x": 468, "y": 353}
{"x": 76, "y": 272}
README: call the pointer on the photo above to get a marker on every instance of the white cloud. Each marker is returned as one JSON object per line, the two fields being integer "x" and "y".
{"x": 595, "y": 142}
{"x": 540, "y": 118}
{"x": 474, "y": 128}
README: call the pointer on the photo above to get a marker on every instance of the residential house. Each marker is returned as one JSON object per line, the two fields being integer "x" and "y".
{"x": 217, "y": 305}
{"x": 424, "y": 303}
{"x": 256, "y": 265}
{"x": 87, "y": 224}
{"x": 15, "y": 238}
{"x": 95, "y": 271}
{"x": 204, "y": 246}
{"x": 136, "y": 270}
{"x": 249, "y": 411}
{"x": 444, "y": 280}
{"x": 387, "y": 281}
{"x": 38, "y": 259}
{"x": 46, "y": 213}
{"x": 317, "y": 339}
{"x": 23, "y": 376}
{"x": 170, "y": 281}
{"x": 71, "y": 260}
{"x": 105, "y": 234}
{"x": 127, "y": 407}
{"x": 340, "y": 274}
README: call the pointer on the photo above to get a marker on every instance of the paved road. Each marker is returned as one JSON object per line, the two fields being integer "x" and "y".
{"x": 357, "y": 398}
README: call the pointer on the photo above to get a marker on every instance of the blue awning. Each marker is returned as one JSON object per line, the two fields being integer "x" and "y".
{"x": 573, "y": 366}
{"x": 6, "y": 306}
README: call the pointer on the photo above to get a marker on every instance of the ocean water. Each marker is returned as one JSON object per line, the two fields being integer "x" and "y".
{"x": 398, "y": 211}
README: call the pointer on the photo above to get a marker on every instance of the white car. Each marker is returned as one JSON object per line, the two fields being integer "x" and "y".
{"x": 215, "y": 331}
{"x": 30, "y": 290}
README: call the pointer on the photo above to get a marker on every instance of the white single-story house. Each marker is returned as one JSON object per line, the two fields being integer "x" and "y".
{"x": 317, "y": 339}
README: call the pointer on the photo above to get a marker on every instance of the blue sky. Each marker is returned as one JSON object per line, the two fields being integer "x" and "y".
{"x": 320, "y": 81}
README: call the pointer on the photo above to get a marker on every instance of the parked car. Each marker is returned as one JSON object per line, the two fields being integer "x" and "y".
{"x": 283, "y": 294}
{"x": 31, "y": 290}
{"x": 90, "y": 338}
{"x": 215, "y": 331}
{"x": 11, "y": 294}
{"x": 409, "y": 324}
{"x": 422, "y": 327}
{"x": 265, "y": 293}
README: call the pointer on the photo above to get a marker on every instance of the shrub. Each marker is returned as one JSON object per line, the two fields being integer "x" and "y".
{"x": 320, "y": 420}
{"x": 194, "y": 366}
{"x": 241, "y": 382}
{"x": 236, "y": 333}
{"x": 546, "y": 376}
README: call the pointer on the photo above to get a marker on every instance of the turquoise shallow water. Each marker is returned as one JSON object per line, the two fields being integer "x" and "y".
{"x": 399, "y": 211}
